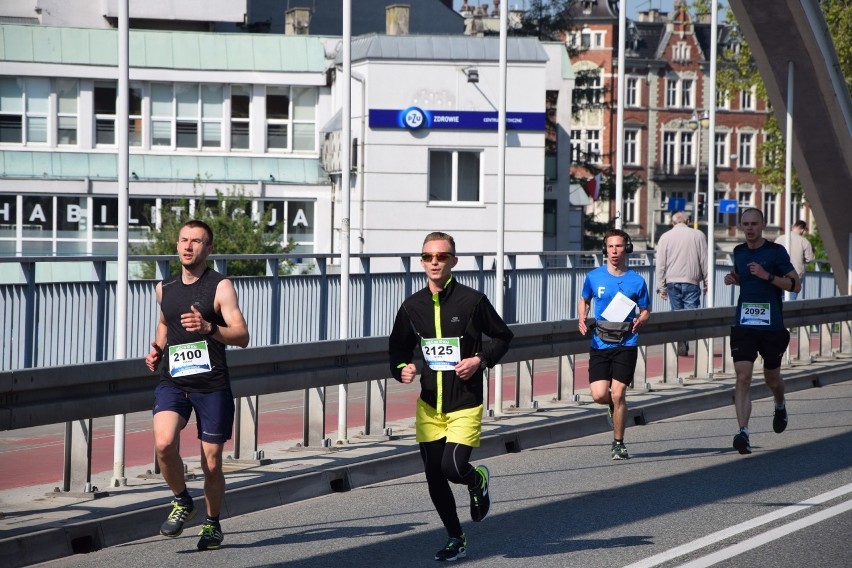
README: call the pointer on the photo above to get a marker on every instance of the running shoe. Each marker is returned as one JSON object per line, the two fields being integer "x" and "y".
{"x": 609, "y": 410}
{"x": 741, "y": 443}
{"x": 179, "y": 515}
{"x": 779, "y": 421}
{"x": 619, "y": 451}
{"x": 211, "y": 537}
{"x": 480, "y": 500}
{"x": 455, "y": 548}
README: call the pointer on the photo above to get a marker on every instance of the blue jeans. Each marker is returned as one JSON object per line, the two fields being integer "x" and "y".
{"x": 683, "y": 296}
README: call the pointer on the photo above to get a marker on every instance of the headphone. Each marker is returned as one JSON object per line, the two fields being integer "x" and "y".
{"x": 628, "y": 244}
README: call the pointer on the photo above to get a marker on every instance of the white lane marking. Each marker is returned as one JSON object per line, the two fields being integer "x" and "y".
{"x": 769, "y": 536}
{"x": 723, "y": 534}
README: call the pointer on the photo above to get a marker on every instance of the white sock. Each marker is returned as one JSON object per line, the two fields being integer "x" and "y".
{"x": 780, "y": 406}
{"x": 744, "y": 430}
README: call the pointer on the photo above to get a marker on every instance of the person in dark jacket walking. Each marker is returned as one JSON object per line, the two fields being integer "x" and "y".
{"x": 446, "y": 321}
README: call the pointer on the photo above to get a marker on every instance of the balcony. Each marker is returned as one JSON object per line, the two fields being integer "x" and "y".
{"x": 672, "y": 172}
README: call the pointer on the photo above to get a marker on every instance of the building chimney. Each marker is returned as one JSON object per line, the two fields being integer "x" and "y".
{"x": 297, "y": 21}
{"x": 396, "y": 19}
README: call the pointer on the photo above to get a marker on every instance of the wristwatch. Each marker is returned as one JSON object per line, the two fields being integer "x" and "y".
{"x": 771, "y": 278}
{"x": 482, "y": 362}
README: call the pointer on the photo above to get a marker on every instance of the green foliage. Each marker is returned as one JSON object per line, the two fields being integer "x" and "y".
{"x": 838, "y": 17}
{"x": 546, "y": 19}
{"x": 234, "y": 232}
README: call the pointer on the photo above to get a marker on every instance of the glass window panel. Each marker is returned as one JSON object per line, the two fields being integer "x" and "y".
{"x": 187, "y": 134}
{"x": 37, "y": 129}
{"x": 240, "y": 135}
{"x": 304, "y": 137}
{"x": 276, "y": 136}
{"x": 239, "y": 101}
{"x": 38, "y": 216}
{"x": 161, "y": 100}
{"x": 187, "y": 100}
{"x": 105, "y": 94}
{"x": 71, "y": 217}
{"x": 304, "y": 104}
{"x": 69, "y": 248}
{"x": 11, "y": 95}
{"x": 440, "y": 176}
{"x": 211, "y": 135}
{"x": 277, "y": 103}
{"x": 135, "y": 102}
{"x": 38, "y": 91}
{"x": 468, "y": 186}
{"x": 300, "y": 220}
{"x": 134, "y": 131}
{"x": 36, "y": 247}
{"x": 66, "y": 91}
{"x": 11, "y": 129}
{"x": 105, "y": 131}
{"x": 211, "y": 101}
{"x": 161, "y": 133}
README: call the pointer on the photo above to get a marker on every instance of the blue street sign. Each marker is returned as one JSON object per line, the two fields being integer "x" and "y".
{"x": 728, "y": 206}
{"x": 677, "y": 204}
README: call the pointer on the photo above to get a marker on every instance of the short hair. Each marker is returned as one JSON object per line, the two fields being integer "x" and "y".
{"x": 616, "y": 233}
{"x": 196, "y": 224}
{"x": 801, "y": 225}
{"x": 439, "y": 236}
{"x": 749, "y": 210}
{"x": 679, "y": 217}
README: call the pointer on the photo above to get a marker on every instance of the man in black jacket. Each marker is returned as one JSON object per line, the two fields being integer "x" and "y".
{"x": 446, "y": 320}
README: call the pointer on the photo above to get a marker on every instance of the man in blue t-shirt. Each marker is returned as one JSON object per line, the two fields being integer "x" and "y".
{"x": 612, "y": 357}
{"x": 763, "y": 271}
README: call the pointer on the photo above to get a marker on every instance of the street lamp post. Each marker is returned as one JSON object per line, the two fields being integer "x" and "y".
{"x": 696, "y": 124}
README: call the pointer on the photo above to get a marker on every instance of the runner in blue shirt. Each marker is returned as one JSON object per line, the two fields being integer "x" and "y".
{"x": 763, "y": 271}
{"x": 612, "y": 357}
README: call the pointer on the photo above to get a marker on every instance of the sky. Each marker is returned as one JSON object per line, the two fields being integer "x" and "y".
{"x": 633, "y": 6}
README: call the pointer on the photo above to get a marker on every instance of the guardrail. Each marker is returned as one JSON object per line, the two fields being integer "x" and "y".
{"x": 77, "y": 394}
{"x": 66, "y": 315}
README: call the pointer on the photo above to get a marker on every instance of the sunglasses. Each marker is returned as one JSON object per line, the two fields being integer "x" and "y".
{"x": 441, "y": 256}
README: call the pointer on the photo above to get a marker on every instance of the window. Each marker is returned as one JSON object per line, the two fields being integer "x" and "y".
{"x": 631, "y": 147}
{"x": 599, "y": 40}
{"x": 746, "y": 150}
{"x": 291, "y": 132}
{"x": 723, "y": 101}
{"x": 187, "y": 118}
{"x": 681, "y": 51}
{"x": 746, "y": 100}
{"x": 629, "y": 213}
{"x": 745, "y": 199}
{"x": 669, "y": 151}
{"x": 671, "y": 93}
{"x": 686, "y": 149}
{"x": 585, "y": 39}
{"x": 454, "y": 176}
{"x": 162, "y": 112}
{"x": 66, "y": 111}
{"x": 11, "y": 111}
{"x": 240, "y": 105}
{"x": 105, "y": 104}
{"x": 722, "y": 149}
{"x": 576, "y": 146}
{"x": 593, "y": 146}
{"x": 550, "y": 217}
{"x": 37, "y": 96}
{"x": 134, "y": 130}
{"x": 770, "y": 208}
{"x": 632, "y": 96}
{"x": 686, "y": 93}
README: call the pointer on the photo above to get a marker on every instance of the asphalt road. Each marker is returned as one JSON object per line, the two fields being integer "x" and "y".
{"x": 684, "y": 499}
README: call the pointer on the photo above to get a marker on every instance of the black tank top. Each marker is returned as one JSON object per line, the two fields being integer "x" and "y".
{"x": 177, "y": 299}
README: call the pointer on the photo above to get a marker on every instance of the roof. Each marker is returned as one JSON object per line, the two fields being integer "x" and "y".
{"x": 162, "y": 49}
{"x": 443, "y": 48}
{"x": 368, "y": 16}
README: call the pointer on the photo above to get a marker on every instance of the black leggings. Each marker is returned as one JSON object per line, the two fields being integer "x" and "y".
{"x": 444, "y": 462}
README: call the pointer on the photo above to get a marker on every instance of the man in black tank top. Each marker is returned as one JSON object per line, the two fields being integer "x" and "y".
{"x": 199, "y": 316}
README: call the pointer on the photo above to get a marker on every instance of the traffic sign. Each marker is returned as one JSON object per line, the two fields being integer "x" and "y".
{"x": 728, "y": 206}
{"x": 677, "y": 204}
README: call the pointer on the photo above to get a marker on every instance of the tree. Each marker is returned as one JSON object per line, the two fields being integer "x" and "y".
{"x": 234, "y": 232}
{"x": 738, "y": 71}
{"x": 546, "y": 19}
